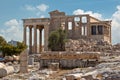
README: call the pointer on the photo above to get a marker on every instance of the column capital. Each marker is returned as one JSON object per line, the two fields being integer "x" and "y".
{"x": 30, "y": 27}
{"x": 40, "y": 29}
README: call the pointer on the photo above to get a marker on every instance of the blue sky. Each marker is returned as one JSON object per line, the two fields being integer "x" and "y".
{"x": 12, "y": 11}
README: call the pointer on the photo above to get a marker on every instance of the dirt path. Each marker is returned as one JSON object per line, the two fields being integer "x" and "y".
{"x": 58, "y": 75}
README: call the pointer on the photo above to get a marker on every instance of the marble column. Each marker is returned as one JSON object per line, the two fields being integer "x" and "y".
{"x": 24, "y": 35}
{"x": 46, "y": 35}
{"x": 96, "y": 29}
{"x": 80, "y": 27}
{"x": 35, "y": 39}
{"x": 30, "y": 40}
{"x": 40, "y": 40}
{"x": 88, "y": 26}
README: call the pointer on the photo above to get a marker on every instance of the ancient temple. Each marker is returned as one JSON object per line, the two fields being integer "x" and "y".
{"x": 76, "y": 26}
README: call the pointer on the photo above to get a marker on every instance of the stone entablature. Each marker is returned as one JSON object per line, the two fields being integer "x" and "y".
{"x": 76, "y": 26}
{"x": 36, "y": 21}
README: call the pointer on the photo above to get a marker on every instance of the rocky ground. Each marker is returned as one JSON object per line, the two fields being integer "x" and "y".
{"x": 107, "y": 69}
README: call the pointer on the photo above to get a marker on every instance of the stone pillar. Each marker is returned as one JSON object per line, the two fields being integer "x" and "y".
{"x": 46, "y": 35}
{"x": 35, "y": 39}
{"x": 40, "y": 40}
{"x": 24, "y": 62}
{"x": 31, "y": 60}
{"x": 24, "y": 35}
{"x": 103, "y": 30}
{"x": 96, "y": 29}
{"x": 88, "y": 25}
{"x": 30, "y": 40}
{"x": 80, "y": 26}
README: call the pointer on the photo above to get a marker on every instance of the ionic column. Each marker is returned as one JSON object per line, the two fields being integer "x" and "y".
{"x": 40, "y": 40}
{"x": 96, "y": 29}
{"x": 46, "y": 35}
{"x": 30, "y": 40}
{"x": 88, "y": 25}
{"x": 24, "y": 35}
{"x": 35, "y": 39}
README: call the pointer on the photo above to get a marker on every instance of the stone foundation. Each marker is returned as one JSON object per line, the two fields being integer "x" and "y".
{"x": 69, "y": 60}
{"x": 68, "y": 63}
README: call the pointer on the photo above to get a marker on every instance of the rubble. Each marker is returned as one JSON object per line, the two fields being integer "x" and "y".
{"x": 87, "y": 45}
{"x": 107, "y": 69}
{"x": 104, "y": 71}
{"x": 92, "y": 45}
{"x": 6, "y": 70}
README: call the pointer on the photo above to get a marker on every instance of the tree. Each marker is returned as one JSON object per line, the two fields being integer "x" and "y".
{"x": 20, "y": 47}
{"x": 56, "y": 41}
{"x": 9, "y": 50}
{"x": 62, "y": 39}
{"x": 2, "y": 41}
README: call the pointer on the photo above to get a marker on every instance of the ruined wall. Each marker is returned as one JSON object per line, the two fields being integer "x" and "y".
{"x": 88, "y": 44}
{"x": 69, "y": 59}
{"x": 78, "y": 26}
{"x": 68, "y": 63}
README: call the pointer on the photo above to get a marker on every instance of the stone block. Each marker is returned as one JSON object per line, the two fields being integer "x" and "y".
{"x": 54, "y": 66}
{"x": 24, "y": 62}
{"x": 23, "y": 69}
{"x": 31, "y": 61}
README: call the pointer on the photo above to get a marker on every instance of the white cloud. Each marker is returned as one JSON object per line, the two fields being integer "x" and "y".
{"x": 118, "y": 7}
{"x": 12, "y": 22}
{"x": 13, "y": 30}
{"x": 80, "y": 11}
{"x": 42, "y": 7}
{"x": 30, "y": 8}
{"x": 42, "y": 16}
{"x": 116, "y": 26}
{"x": 39, "y": 9}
